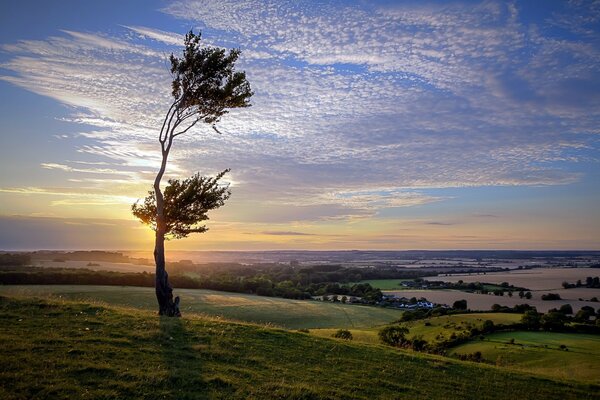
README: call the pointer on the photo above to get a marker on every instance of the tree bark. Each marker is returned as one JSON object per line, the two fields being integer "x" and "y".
{"x": 164, "y": 291}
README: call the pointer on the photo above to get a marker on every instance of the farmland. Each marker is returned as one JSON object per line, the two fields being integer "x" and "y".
{"x": 534, "y": 279}
{"x": 477, "y": 301}
{"x": 540, "y": 352}
{"x": 292, "y": 314}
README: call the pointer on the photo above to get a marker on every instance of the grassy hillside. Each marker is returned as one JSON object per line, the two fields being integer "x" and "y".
{"x": 540, "y": 352}
{"x": 292, "y": 314}
{"x": 64, "y": 350}
{"x": 433, "y": 330}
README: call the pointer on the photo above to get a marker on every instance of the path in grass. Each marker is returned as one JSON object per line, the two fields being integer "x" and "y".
{"x": 291, "y": 314}
{"x": 540, "y": 352}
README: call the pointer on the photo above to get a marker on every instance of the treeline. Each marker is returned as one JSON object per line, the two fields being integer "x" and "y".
{"x": 15, "y": 259}
{"x": 259, "y": 285}
{"x": 589, "y": 283}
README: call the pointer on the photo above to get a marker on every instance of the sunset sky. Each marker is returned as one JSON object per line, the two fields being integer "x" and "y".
{"x": 374, "y": 125}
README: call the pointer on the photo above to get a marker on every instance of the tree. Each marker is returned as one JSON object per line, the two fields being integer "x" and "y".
{"x": 531, "y": 320}
{"x": 205, "y": 85}
{"x": 460, "y": 305}
{"x": 553, "y": 321}
{"x": 566, "y": 309}
{"x": 393, "y": 335}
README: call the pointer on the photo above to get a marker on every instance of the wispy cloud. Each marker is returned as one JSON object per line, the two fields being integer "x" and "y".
{"x": 358, "y": 108}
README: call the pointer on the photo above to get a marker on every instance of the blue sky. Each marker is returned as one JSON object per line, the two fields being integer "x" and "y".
{"x": 374, "y": 125}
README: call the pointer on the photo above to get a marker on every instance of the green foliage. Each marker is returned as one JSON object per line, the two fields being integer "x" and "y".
{"x": 531, "y": 320}
{"x": 15, "y": 259}
{"x": 205, "y": 82}
{"x": 566, "y": 309}
{"x": 393, "y": 335}
{"x": 553, "y": 321}
{"x": 187, "y": 203}
{"x": 343, "y": 334}
{"x": 551, "y": 296}
{"x": 460, "y": 305}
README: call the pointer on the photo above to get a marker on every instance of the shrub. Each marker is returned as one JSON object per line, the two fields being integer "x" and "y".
{"x": 343, "y": 334}
{"x": 393, "y": 335}
{"x": 460, "y": 305}
{"x": 551, "y": 296}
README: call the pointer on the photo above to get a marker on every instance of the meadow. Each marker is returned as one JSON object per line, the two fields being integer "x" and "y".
{"x": 541, "y": 352}
{"x": 532, "y": 352}
{"x": 65, "y": 350}
{"x": 285, "y": 313}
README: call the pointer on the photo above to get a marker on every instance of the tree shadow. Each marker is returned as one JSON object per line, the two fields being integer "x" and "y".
{"x": 181, "y": 361}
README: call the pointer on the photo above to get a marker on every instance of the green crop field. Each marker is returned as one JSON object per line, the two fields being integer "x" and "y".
{"x": 292, "y": 314}
{"x": 68, "y": 350}
{"x": 540, "y": 352}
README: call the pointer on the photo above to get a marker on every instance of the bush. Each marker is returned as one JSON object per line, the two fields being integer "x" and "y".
{"x": 343, "y": 334}
{"x": 393, "y": 335}
{"x": 551, "y": 296}
{"x": 460, "y": 305}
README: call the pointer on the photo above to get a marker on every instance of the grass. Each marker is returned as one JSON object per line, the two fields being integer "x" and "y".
{"x": 431, "y": 329}
{"x": 292, "y": 314}
{"x": 438, "y": 329}
{"x": 540, "y": 352}
{"x": 65, "y": 350}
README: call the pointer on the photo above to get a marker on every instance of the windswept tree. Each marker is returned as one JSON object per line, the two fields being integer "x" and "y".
{"x": 205, "y": 85}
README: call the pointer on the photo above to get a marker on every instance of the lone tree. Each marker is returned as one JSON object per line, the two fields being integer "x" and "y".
{"x": 205, "y": 85}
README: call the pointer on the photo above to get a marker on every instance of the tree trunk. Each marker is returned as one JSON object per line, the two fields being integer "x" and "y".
{"x": 164, "y": 291}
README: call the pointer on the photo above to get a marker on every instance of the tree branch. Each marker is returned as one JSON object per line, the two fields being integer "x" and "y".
{"x": 188, "y": 128}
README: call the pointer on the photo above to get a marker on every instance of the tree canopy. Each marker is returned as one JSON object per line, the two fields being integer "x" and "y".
{"x": 187, "y": 202}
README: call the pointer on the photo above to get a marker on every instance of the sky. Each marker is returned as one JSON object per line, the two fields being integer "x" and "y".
{"x": 374, "y": 124}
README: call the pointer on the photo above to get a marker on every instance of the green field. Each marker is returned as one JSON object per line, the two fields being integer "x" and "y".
{"x": 66, "y": 350}
{"x": 438, "y": 328}
{"x": 292, "y": 314}
{"x": 441, "y": 328}
{"x": 540, "y": 352}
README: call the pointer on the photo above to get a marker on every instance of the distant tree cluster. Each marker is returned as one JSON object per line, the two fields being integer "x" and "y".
{"x": 551, "y": 296}
{"x": 590, "y": 282}
{"x": 15, "y": 259}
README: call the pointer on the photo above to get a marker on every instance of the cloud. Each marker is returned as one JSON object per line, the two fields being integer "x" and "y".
{"x": 357, "y": 108}
{"x": 286, "y": 233}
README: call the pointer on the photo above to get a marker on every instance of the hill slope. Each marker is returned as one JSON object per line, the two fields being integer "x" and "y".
{"x": 75, "y": 350}
{"x": 291, "y": 314}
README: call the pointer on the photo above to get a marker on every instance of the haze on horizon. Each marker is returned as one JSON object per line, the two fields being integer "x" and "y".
{"x": 374, "y": 125}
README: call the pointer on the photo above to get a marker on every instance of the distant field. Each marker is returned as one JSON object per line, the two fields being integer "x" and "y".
{"x": 540, "y": 352}
{"x": 99, "y": 265}
{"x": 292, "y": 314}
{"x": 534, "y": 279}
{"x": 485, "y": 301}
{"x": 386, "y": 284}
